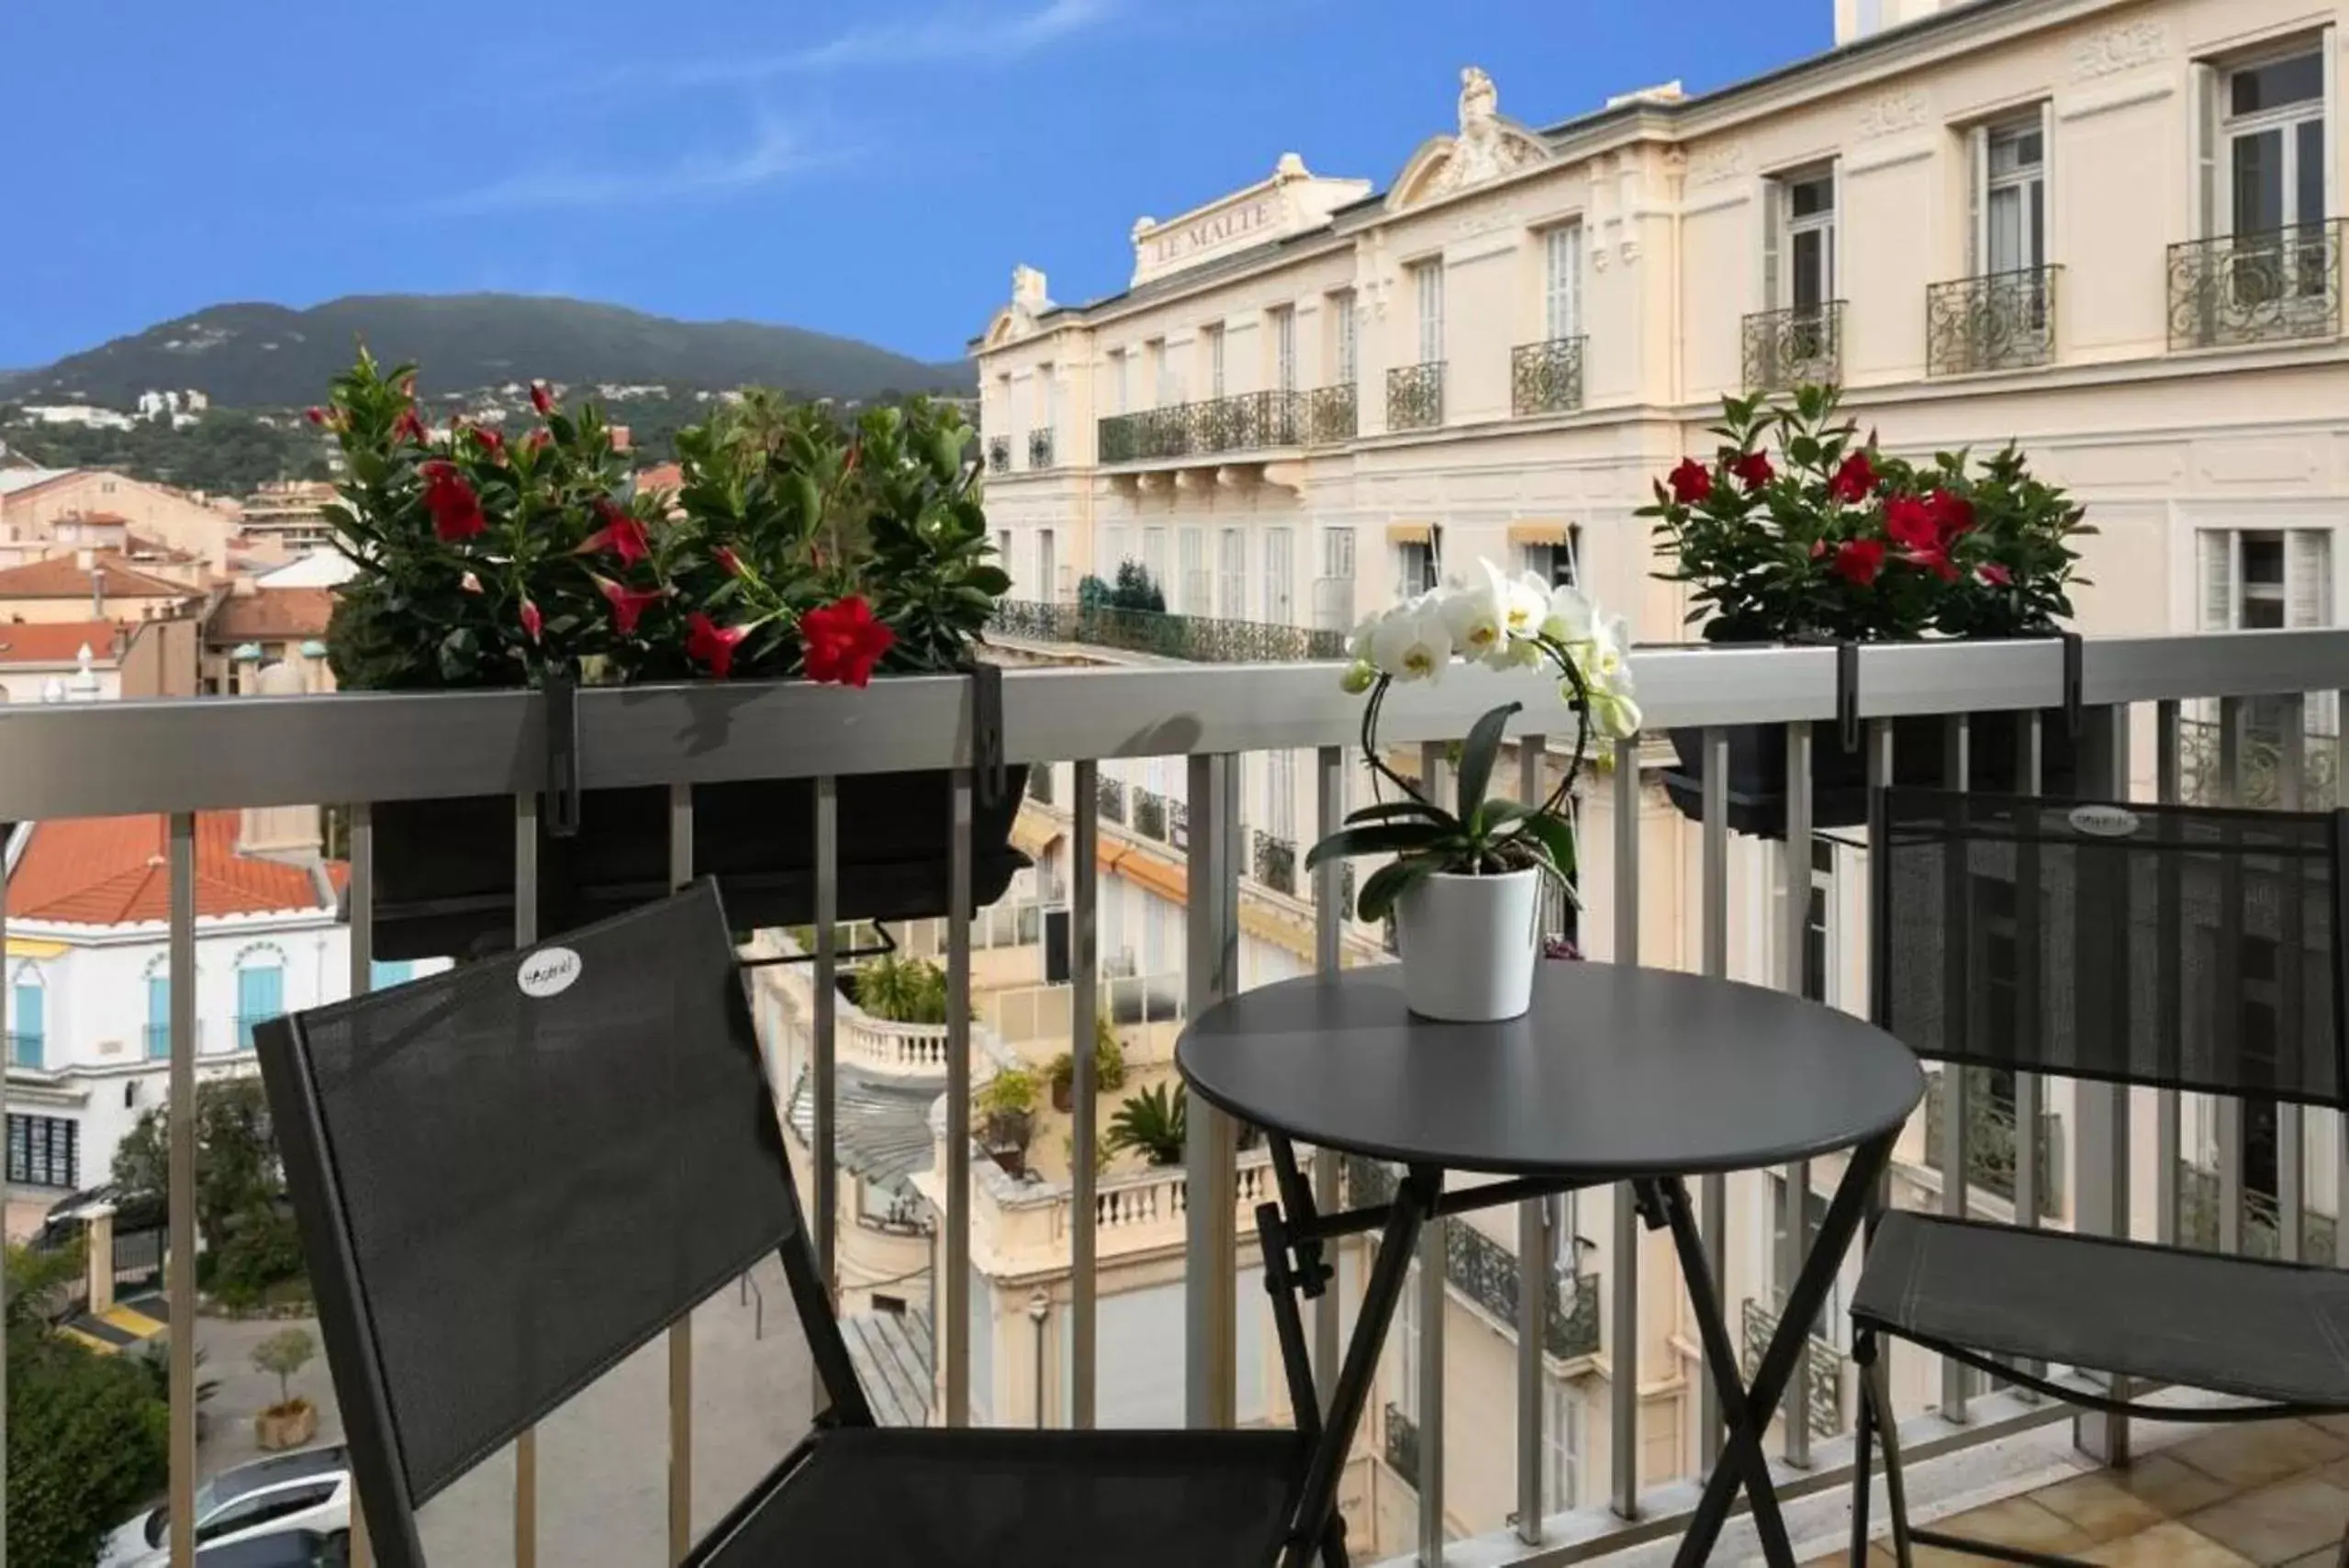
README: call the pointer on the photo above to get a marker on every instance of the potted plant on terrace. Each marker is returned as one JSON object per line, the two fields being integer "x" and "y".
{"x": 1464, "y": 884}
{"x": 797, "y": 548}
{"x": 1006, "y": 1107}
{"x": 1799, "y": 531}
{"x": 1153, "y": 1123}
{"x": 291, "y": 1422}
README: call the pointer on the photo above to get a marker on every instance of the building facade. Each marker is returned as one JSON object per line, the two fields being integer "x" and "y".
{"x": 2107, "y": 230}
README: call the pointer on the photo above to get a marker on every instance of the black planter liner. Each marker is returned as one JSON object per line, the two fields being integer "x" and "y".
{"x": 1840, "y": 778}
{"x": 444, "y": 869}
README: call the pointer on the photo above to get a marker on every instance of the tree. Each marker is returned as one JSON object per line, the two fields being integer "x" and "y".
{"x": 236, "y": 1166}
{"x": 88, "y": 1440}
{"x": 282, "y": 1355}
{"x": 1153, "y": 1123}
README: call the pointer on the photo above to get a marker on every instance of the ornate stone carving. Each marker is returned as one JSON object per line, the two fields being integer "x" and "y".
{"x": 1718, "y": 165}
{"x": 1892, "y": 113}
{"x": 1486, "y": 147}
{"x": 2113, "y": 49}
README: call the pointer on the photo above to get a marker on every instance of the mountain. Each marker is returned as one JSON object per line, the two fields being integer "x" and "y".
{"x": 272, "y": 356}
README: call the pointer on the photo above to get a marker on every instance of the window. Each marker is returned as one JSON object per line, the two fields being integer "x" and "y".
{"x": 1047, "y": 566}
{"x": 1048, "y": 397}
{"x": 1337, "y": 552}
{"x": 44, "y": 1151}
{"x": 1553, "y": 563}
{"x": 1122, "y": 372}
{"x": 1817, "y": 921}
{"x": 2264, "y": 578}
{"x": 2010, "y": 197}
{"x": 1231, "y": 562}
{"x": 1344, "y": 344}
{"x": 1003, "y": 548}
{"x": 1427, "y": 283}
{"x": 1154, "y": 361}
{"x": 1284, "y": 348}
{"x": 1563, "y": 282}
{"x": 1414, "y": 569}
{"x": 1807, "y": 202}
{"x": 385, "y": 973}
{"x": 1212, "y": 346}
{"x": 159, "y": 1017}
{"x": 1785, "y": 1265}
{"x": 28, "y": 1021}
{"x": 1280, "y": 599}
{"x": 1196, "y": 589}
{"x": 1406, "y": 1339}
{"x": 1281, "y": 794}
{"x": 260, "y": 1508}
{"x": 261, "y": 993}
{"x": 2271, "y": 136}
{"x": 1112, "y": 552}
{"x": 1153, "y": 555}
{"x": 1561, "y": 1447}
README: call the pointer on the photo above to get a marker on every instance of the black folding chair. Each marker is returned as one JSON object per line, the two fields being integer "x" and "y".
{"x": 510, "y": 1176}
{"x": 2156, "y": 947}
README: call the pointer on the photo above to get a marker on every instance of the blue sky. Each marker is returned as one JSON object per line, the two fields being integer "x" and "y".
{"x": 871, "y": 169}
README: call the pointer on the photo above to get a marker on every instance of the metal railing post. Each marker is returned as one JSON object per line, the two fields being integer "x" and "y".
{"x": 823, "y": 1045}
{"x": 1712, "y": 1191}
{"x": 1957, "y": 774}
{"x": 1329, "y": 931}
{"x": 1794, "y": 957}
{"x": 180, "y": 1197}
{"x": 362, "y": 954}
{"x": 1434, "y": 1269}
{"x": 1623, "y": 1338}
{"x": 957, "y": 1154}
{"x": 1536, "y": 1254}
{"x": 1210, "y": 1278}
{"x": 525, "y": 937}
{"x": 680, "y": 1335}
{"x": 2103, "y": 1206}
{"x": 1084, "y": 1010}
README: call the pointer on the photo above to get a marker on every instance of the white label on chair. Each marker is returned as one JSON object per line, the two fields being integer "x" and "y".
{"x": 548, "y": 972}
{"x": 2102, "y": 822}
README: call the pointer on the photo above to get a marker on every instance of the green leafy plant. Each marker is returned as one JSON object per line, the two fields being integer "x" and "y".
{"x": 282, "y": 1355}
{"x": 903, "y": 991}
{"x": 1152, "y": 1123}
{"x": 88, "y": 1441}
{"x": 1109, "y": 1063}
{"x": 1132, "y": 589}
{"x": 1797, "y": 530}
{"x": 1006, "y": 1107}
{"x": 797, "y": 545}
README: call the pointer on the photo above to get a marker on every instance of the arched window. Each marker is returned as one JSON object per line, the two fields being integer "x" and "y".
{"x": 261, "y": 990}
{"x": 27, "y": 1018}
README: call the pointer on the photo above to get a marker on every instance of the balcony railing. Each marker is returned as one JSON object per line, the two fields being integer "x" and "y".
{"x": 999, "y": 454}
{"x": 1150, "y": 815}
{"x": 1823, "y": 1381}
{"x": 1546, "y": 378}
{"x": 2275, "y": 286}
{"x": 1416, "y": 397}
{"x": 246, "y": 1024}
{"x": 1797, "y": 347}
{"x": 2200, "y": 1205}
{"x": 1402, "y": 1450}
{"x": 1039, "y": 449}
{"x": 1990, "y": 1140}
{"x": 1200, "y": 639}
{"x": 66, "y": 760}
{"x": 1110, "y": 795}
{"x": 1330, "y": 413}
{"x": 1275, "y": 860}
{"x": 2002, "y": 322}
{"x": 2266, "y": 777}
{"x": 25, "y": 1050}
{"x": 1245, "y": 422}
{"x": 158, "y": 1041}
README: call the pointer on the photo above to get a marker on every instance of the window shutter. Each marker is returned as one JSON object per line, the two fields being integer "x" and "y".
{"x": 2333, "y": 122}
{"x": 2048, "y": 253}
{"x": 2203, "y": 125}
{"x": 1977, "y": 205}
{"x": 2308, "y": 578}
{"x": 1773, "y": 226}
{"x": 2218, "y": 579}
{"x": 1835, "y": 232}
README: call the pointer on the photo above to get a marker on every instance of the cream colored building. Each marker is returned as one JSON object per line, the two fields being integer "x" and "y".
{"x": 2106, "y": 230}
{"x": 34, "y": 503}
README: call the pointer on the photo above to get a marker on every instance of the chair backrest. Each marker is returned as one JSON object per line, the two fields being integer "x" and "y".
{"x": 2174, "y": 947}
{"x": 510, "y": 1175}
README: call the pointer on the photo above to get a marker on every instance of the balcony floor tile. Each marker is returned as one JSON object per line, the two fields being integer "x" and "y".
{"x": 2166, "y": 1546}
{"x": 2171, "y": 1486}
{"x": 2101, "y": 1509}
{"x": 2019, "y": 1521}
{"x": 2257, "y": 1455}
{"x": 2277, "y": 1524}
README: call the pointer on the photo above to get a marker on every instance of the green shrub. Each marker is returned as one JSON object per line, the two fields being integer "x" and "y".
{"x": 1153, "y": 1123}
{"x": 88, "y": 1441}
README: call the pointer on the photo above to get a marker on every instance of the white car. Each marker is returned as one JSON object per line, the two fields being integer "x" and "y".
{"x": 308, "y": 1492}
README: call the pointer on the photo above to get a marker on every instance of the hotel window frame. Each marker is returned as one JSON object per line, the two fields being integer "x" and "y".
{"x": 1428, "y": 296}
{"x": 1284, "y": 348}
{"x": 1786, "y": 227}
{"x": 1345, "y": 339}
{"x": 1561, "y": 281}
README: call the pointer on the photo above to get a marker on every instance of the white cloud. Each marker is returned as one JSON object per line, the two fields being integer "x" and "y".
{"x": 945, "y": 36}
{"x": 776, "y": 154}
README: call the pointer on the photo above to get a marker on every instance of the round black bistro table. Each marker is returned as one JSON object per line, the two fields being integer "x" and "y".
{"x": 1617, "y": 1074}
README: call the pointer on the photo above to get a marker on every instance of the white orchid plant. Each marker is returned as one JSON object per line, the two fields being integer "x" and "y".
{"x": 1507, "y": 623}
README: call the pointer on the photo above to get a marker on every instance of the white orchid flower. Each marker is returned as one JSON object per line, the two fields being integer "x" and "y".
{"x": 1610, "y": 642}
{"x": 1359, "y": 676}
{"x": 1358, "y": 641}
{"x": 1514, "y": 652}
{"x": 1614, "y": 716}
{"x": 1414, "y": 645}
{"x": 1569, "y": 617}
{"x": 1473, "y": 618}
{"x": 1522, "y": 601}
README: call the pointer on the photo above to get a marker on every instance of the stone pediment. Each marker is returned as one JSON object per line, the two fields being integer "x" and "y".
{"x": 1486, "y": 147}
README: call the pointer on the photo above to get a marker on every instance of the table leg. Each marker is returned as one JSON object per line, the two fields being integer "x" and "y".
{"x": 1414, "y": 1199}
{"x": 1742, "y": 1459}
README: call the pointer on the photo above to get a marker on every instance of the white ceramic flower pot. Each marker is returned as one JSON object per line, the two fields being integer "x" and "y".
{"x": 1468, "y": 945}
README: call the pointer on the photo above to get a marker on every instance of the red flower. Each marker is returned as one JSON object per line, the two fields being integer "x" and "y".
{"x": 1859, "y": 561}
{"x": 531, "y": 619}
{"x": 628, "y": 603}
{"x": 315, "y": 414}
{"x": 1854, "y": 481}
{"x": 622, "y": 534}
{"x": 1995, "y": 574}
{"x": 843, "y": 641}
{"x": 536, "y": 442}
{"x": 1910, "y": 522}
{"x": 711, "y": 644}
{"x": 449, "y": 497}
{"x": 1692, "y": 482}
{"x": 1936, "y": 561}
{"x": 728, "y": 562}
{"x": 492, "y": 444}
{"x": 1953, "y": 515}
{"x": 408, "y": 427}
{"x": 541, "y": 398}
{"x": 1753, "y": 467}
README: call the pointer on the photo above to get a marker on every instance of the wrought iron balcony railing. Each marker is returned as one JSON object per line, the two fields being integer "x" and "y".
{"x": 1823, "y": 1385}
{"x": 2199, "y": 1204}
{"x": 1990, "y": 1141}
{"x": 1150, "y": 815}
{"x": 1111, "y": 794}
{"x": 2265, "y": 773}
{"x": 26, "y": 1051}
{"x": 2001, "y": 321}
{"x": 1416, "y": 397}
{"x": 999, "y": 454}
{"x": 1039, "y": 449}
{"x": 1546, "y": 378}
{"x": 1245, "y": 422}
{"x": 1198, "y": 638}
{"x": 1330, "y": 414}
{"x": 2272, "y": 287}
{"x": 1795, "y": 347}
{"x": 1275, "y": 859}
{"x": 1401, "y": 1450}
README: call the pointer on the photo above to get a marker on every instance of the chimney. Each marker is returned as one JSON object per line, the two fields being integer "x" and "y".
{"x": 97, "y": 592}
{"x": 288, "y": 833}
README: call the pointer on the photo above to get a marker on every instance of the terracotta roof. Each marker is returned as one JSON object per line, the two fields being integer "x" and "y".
{"x": 138, "y": 547}
{"x": 61, "y": 577}
{"x": 102, "y": 519}
{"x": 60, "y": 643}
{"x": 660, "y": 476}
{"x": 272, "y": 615}
{"x": 115, "y": 871}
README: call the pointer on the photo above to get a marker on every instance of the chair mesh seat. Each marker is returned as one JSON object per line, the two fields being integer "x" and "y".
{"x": 2276, "y": 1332}
{"x": 930, "y": 1498}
